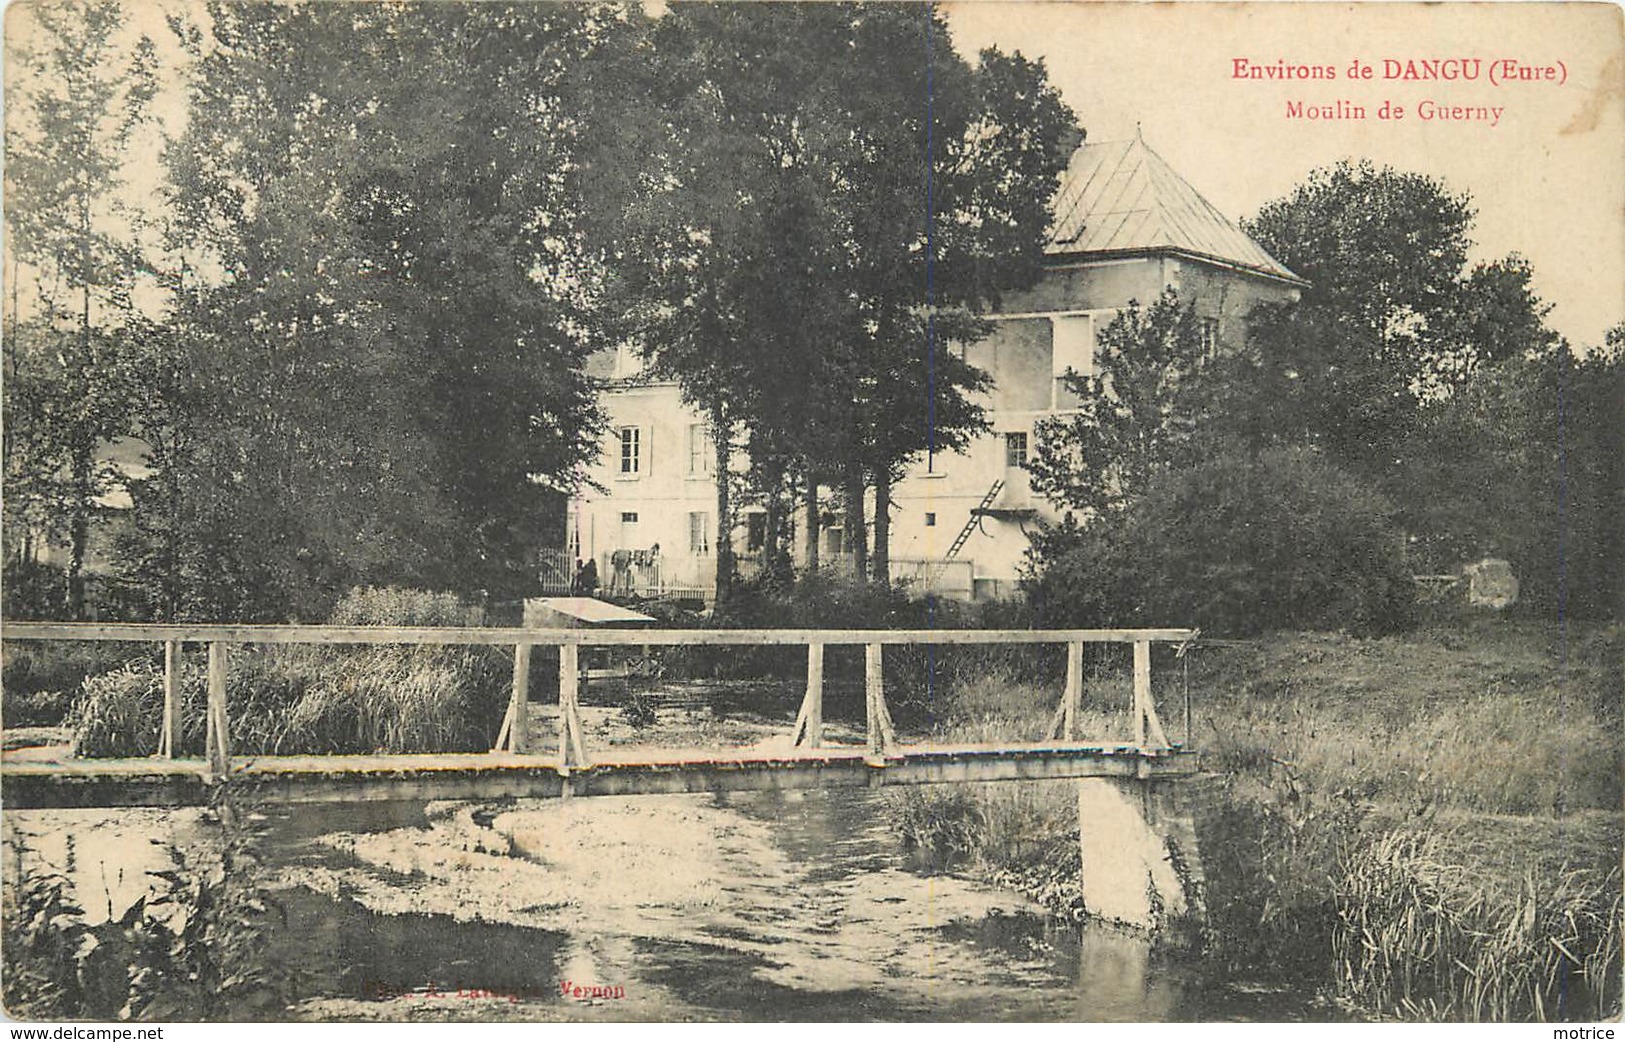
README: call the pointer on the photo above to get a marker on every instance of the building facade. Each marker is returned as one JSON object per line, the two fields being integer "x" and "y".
{"x": 1126, "y": 227}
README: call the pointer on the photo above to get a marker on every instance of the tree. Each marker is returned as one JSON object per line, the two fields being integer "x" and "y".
{"x": 380, "y": 348}
{"x": 984, "y": 155}
{"x": 1381, "y": 249}
{"x": 1141, "y": 413}
{"x": 70, "y": 361}
{"x": 811, "y": 221}
{"x": 1391, "y": 317}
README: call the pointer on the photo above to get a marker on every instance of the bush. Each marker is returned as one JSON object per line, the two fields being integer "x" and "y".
{"x": 33, "y": 590}
{"x": 1239, "y": 545}
{"x": 639, "y": 711}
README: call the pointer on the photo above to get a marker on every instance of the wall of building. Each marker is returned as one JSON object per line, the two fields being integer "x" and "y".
{"x": 1225, "y": 296}
{"x": 651, "y": 505}
{"x": 935, "y": 500}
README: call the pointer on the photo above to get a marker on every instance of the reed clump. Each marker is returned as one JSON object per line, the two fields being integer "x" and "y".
{"x": 291, "y": 699}
{"x": 1424, "y": 937}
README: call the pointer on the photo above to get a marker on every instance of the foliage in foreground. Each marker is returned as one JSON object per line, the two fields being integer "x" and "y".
{"x": 192, "y": 948}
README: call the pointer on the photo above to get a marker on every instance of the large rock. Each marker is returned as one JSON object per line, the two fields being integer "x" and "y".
{"x": 1491, "y": 584}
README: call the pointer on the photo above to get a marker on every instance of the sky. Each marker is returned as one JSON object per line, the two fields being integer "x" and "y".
{"x": 1547, "y": 173}
{"x": 1547, "y": 176}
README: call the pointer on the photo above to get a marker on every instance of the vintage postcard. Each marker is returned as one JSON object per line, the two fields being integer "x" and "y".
{"x": 812, "y": 512}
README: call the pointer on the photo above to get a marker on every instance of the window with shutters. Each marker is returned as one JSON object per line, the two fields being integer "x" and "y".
{"x": 699, "y": 532}
{"x": 631, "y": 451}
{"x": 699, "y": 449}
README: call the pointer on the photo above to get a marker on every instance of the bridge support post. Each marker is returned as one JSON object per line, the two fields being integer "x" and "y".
{"x": 1074, "y": 689}
{"x": 569, "y": 710}
{"x": 1146, "y": 724}
{"x": 1127, "y": 874}
{"x": 1142, "y": 688}
{"x": 170, "y": 736}
{"x": 217, "y": 732}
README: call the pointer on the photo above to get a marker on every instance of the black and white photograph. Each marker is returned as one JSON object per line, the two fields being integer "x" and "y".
{"x": 1038, "y": 512}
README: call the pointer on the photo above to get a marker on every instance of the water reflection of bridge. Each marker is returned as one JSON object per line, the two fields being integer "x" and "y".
{"x": 524, "y": 763}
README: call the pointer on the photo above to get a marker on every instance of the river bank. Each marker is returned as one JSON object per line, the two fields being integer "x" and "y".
{"x": 1382, "y": 813}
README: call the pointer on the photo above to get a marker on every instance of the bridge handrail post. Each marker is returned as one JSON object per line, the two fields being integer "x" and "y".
{"x": 1142, "y": 688}
{"x": 809, "y": 726}
{"x": 519, "y": 701}
{"x": 1074, "y": 688}
{"x": 569, "y": 677}
{"x": 882, "y": 736}
{"x": 1147, "y": 726}
{"x": 170, "y": 736}
{"x": 217, "y": 731}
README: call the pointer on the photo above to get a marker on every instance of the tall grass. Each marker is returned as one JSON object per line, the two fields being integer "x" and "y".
{"x": 1426, "y": 938}
{"x": 284, "y": 699}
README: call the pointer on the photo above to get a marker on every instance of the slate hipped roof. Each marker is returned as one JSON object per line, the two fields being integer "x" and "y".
{"x": 1120, "y": 198}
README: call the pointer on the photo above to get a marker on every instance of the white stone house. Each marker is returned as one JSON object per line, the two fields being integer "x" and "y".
{"x": 1125, "y": 227}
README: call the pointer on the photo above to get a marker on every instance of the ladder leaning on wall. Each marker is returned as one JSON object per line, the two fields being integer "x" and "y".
{"x": 935, "y": 575}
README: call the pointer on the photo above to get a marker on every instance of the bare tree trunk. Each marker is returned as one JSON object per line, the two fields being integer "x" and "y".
{"x": 811, "y": 501}
{"x": 770, "y": 536}
{"x": 882, "y": 558}
{"x": 725, "y": 545}
{"x": 857, "y": 535}
{"x": 82, "y": 466}
{"x": 84, "y": 461}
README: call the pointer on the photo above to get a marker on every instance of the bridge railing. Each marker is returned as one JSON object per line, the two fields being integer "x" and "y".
{"x": 514, "y": 735}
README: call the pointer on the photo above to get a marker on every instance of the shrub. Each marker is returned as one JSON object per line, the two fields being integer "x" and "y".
{"x": 639, "y": 711}
{"x": 33, "y": 590}
{"x": 1238, "y": 545}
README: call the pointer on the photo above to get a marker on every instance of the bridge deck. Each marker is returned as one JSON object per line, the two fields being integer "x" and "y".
{"x": 33, "y": 779}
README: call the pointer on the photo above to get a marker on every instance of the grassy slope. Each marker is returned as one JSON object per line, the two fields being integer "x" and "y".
{"x": 1488, "y": 717}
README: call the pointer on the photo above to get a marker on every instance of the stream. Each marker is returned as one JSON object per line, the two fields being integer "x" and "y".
{"x": 758, "y": 906}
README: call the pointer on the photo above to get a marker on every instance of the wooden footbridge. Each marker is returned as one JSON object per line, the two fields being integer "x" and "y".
{"x": 527, "y": 764}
